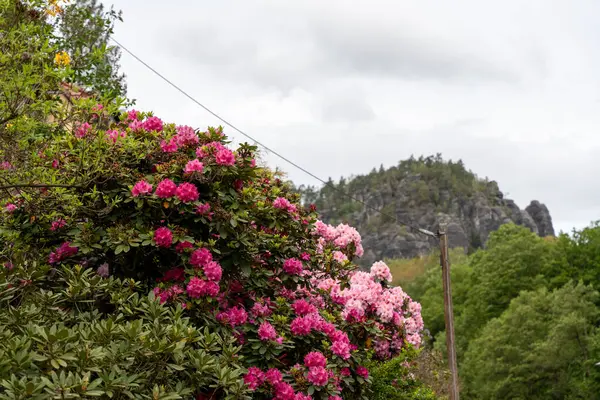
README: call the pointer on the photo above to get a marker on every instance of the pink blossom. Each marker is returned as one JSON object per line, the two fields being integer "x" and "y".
{"x": 362, "y": 371}
{"x": 281, "y": 203}
{"x": 203, "y": 209}
{"x": 341, "y": 349}
{"x": 335, "y": 398}
{"x": 98, "y": 107}
{"x": 224, "y": 156}
{"x": 196, "y": 288}
{"x": 6, "y": 165}
{"x": 273, "y": 376}
{"x": 292, "y": 266}
{"x": 194, "y": 166}
{"x": 318, "y": 376}
{"x": 261, "y": 310}
{"x": 315, "y": 359}
{"x": 64, "y": 251}
{"x": 82, "y": 130}
{"x": 55, "y": 163}
{"x": 56, "y": 225}
{"x": 302, "y": 307}
{"x": 182, "y": 246}
{"x": 169, "y": 147}
{"x": 163, "y": 237}
{"x": 345, "y": 371}
{"x": 381, "y": 271}
{"x": 187, "y": 192}
{"x": 302, "y": 396}
{"x": 142, "y": 187}
{"x": 233, "y": 316}
{"x": 103, "y": 270}
{"x": 153, "y": 124}
{"x": 213, "y": 271}
{"x": 254, "y": 378}
{"x": 165, "y": 189}
{"x": 283, "y": 391}
{"x": 266, "y": 332}
{"x": 132, "y": 115}
{"x": 186, "y": 136}
{"x": 113, "y": 135}
{"x": 339, "y": 257}
{"x": 201, "y": 257}
{"x": 10, "y": 208}
{"x": 301, "y": 326}
{"x": 305, "y": 256}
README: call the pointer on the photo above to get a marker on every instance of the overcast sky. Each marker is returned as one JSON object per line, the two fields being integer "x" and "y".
{"x": 510, "y": 87}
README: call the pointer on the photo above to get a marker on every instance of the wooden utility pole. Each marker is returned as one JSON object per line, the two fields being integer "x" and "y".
{"x": 448, "y": 312}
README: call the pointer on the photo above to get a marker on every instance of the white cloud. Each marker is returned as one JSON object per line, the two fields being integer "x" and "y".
{"x": 341, "y": 87}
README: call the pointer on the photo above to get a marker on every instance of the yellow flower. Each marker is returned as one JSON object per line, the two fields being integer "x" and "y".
{"x": 53, "y": 8}
{"x": 9, "y": 125}
{"x": 62, "y": 59}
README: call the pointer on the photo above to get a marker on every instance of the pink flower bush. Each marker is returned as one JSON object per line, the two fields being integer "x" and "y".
{"x": 140, "y": 188}
{"x": 10, "y": 208}
{"x": 247, "y": 261}
{"x": 163, "y": 237}
{"x": 187, "y": 192}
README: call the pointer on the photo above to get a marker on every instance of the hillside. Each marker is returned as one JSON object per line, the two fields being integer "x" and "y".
{"x": 425, "y": 192}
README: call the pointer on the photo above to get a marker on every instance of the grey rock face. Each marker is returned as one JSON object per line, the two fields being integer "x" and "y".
{"x": 469, "y": 220}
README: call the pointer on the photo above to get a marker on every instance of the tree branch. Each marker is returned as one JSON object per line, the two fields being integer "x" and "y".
{"x": 40, "y": 185}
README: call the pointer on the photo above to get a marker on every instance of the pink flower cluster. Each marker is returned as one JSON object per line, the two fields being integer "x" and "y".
{"x": 64, "y": 251}
{"x": 273, "y": 383}
{"x": 6, "y": 165}
{"x": 194, "y": 166}
{"x": 197, "y": 288}
{"x": 292, "y": 266}
{"x": 223, "y": 156}
{"x": 163, "y": 237}
{"x": 57, "y": 224}
{"x": 114, "y": 135}
{"x": 234, "y": 316}
{"x": 82, "y": 130}
{"x": 10, "y": 208}
{"x": 202, "y": 258}
{"x": 282, "y": 203}
{"x": 185, "y": 192}
{"x": 340, "y": 236}
{"x": 153, "y": 124}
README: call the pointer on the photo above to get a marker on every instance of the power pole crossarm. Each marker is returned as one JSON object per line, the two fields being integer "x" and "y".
{"x": 448, "y": 313}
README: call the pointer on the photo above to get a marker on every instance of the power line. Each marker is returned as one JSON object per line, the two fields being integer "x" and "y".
{"x": 416, "y": 229}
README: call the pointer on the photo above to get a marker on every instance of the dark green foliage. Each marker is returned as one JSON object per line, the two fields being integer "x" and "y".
{"x": 544, "y": 346}
{"x": 69, "y": 333}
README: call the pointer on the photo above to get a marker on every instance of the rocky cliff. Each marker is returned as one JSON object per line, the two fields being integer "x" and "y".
{"x": 423, "y": 192}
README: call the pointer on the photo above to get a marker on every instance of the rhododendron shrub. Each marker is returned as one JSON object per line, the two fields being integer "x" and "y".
{"x": 209, "y": 232}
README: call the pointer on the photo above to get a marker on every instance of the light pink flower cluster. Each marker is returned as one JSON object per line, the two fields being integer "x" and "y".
{"x": 380, "y": 270}
{"x": 6, "y": 165}
{"x": 186, "y": 136}
{"x": 194, "y": 166}
{"x": 340, "y": 236}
